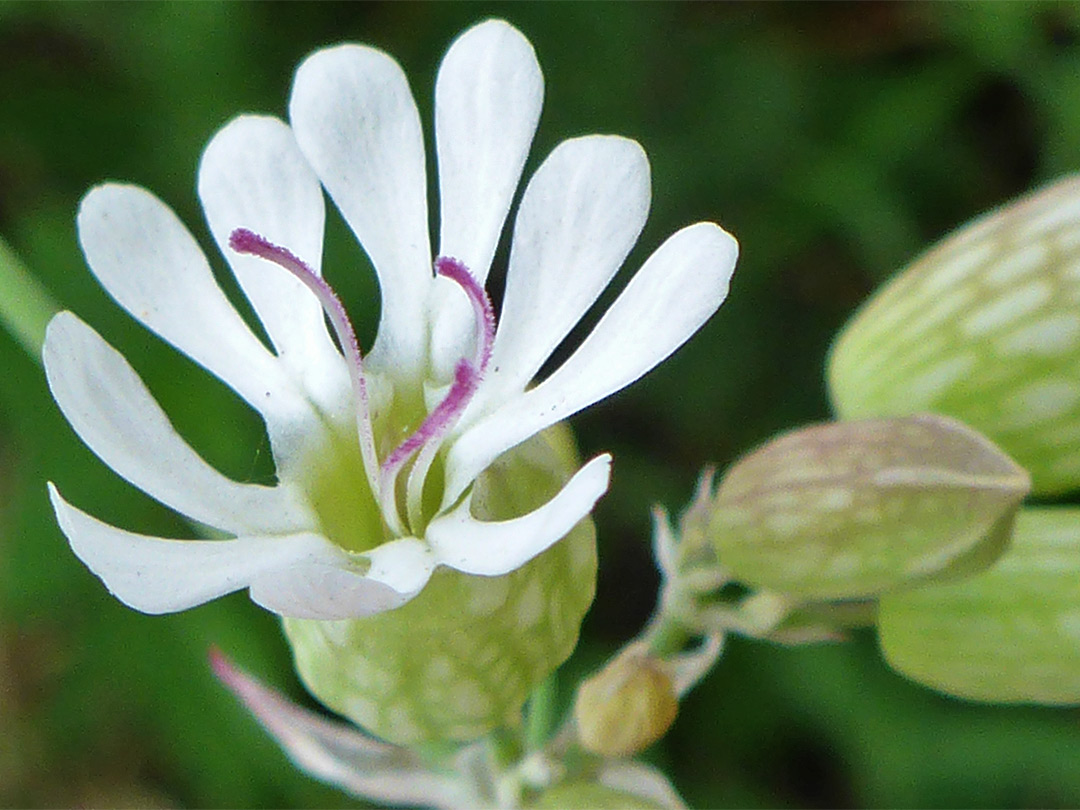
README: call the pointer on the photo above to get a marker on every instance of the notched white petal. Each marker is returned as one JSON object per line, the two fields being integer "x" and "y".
{"x": 324, "y": 591}
{"x": 474, "y": 546}
{"x": 300, "y": 575}
{"x": 252, "y": 175}
{"x": 579, "y": 217}
{"x": 488, "y": 97}
{"x": 679, "y": 287}
{"x": 357, "y": 124}
{"x": 111, "y": 410}
{"x": 148, "y": 261}
{"x": 386, "y": 578}
{"x": 404, "y": 564}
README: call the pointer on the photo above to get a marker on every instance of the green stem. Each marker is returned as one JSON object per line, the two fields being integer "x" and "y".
{"x": 25, "y": 306}
{"x": 541, "y": 717}
{"x": 505, "y": 748}
{"x": 666, "y": 636}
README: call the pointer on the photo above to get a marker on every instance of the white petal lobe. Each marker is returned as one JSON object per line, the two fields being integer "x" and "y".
{"x": 145, "y": 259}
{"x": 675, "y": 292}
{"x": 357, "y": 124}
{"x": 495, "y": 548}
{"x": 253, "y": 175}
{"x": 488, "y": 97}
{"x": 487, "y": 105}
{"x": 117, "y": 417}
{"x": 579, "y": 218}
{"x": 323, "y": 590}
{"x": 404, "y": 565}
{"x": 157, "y": 575}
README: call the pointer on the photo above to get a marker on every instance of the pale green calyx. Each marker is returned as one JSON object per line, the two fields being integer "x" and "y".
{"x": 1010, "y": 634}
{"x": 471, "y": 776}
{"x": 851, "y": 510}
{"x": 460, "y": 658}
{"x": 984, "y": 327}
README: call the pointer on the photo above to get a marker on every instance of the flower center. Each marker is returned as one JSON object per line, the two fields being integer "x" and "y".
{"x": 401, "y": 504}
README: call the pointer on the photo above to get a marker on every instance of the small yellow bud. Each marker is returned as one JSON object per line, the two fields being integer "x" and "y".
{"x": 626, "y": 706}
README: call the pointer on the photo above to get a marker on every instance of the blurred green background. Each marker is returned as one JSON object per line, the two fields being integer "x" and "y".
{"x": 834, "y": 140}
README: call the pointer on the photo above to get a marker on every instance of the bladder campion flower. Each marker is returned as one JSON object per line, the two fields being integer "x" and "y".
{"x": 430, "y": 466}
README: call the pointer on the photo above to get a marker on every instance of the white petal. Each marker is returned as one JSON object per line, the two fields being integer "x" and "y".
{"x": 116, "y": 416}
{"x": 145, "y": 258}
{"x": 675, "y": 292}
{"x": 328, "y": 590}
{"x": 304, "y": 576}
{"x": 579, "y": 217}
{"x": 495, "y": 548}
{"x": 404, "y": 564}
{"x": 357, "y": 124}
{"x": 156, "y": 575}
{"x": 339, "y": 754}
{"x": 487, "y": 104}
{"x": 253, "y": 175}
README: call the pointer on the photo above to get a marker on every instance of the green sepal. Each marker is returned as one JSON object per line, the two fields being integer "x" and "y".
{"x": 984, "y": 327}
{"x": 591, "y": 795}
{"x": 1008, "y": 635}
{"x": 850, "y": 510}
{"x": 460, "y": 659}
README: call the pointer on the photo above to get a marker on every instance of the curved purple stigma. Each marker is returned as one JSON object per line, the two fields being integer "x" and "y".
{"x": 455, "y": 270}
{"x": 467, "y": 376}
{"x": 435, "y": 423}
{"x": 244, "y": 241}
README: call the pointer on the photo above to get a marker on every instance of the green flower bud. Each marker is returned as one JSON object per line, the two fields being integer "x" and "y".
{"x": 1010, "y": 634}
{"x": 984, "y": 327}
{"x": 626, "y": 706}
{"x": 852, "y": 509}
{"x": 460, "y": 658}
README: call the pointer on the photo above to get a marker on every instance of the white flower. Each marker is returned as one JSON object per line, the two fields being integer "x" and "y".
{"x": 350, "y": 529}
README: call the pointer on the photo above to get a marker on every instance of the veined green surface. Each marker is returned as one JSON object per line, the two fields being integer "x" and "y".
{"x": 461, "y": 658}
{"x": 1008, "y": 635}
{"x": 852, "y": 509}
{"x": 984, "y": 327}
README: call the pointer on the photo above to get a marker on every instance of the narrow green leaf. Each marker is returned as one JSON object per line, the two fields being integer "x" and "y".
{"x": 1010, "y": 634}
{"x": 25, "y": 306}
{"x": 984, "y": 327}
{"x": 852, "y": 509}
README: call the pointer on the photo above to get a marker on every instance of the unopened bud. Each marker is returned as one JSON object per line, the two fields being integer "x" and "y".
{"x": 852, "y": 509}
{"x": 626, "y": 706}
